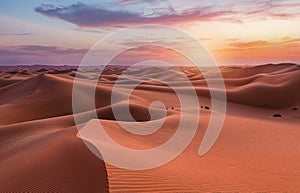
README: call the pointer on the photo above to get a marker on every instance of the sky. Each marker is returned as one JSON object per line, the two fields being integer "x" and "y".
{"x": 240, "y": 32}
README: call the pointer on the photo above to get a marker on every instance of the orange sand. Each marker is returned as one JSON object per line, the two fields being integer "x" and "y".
{"x": 40, "y": 150}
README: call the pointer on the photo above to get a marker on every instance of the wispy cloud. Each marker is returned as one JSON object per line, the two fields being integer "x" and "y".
{"x": 97, "y": 31}
{"x": 232, "y": 39}
{"x": 49, "y": 49}
{"x": 38, "y": 50}
{"x": 292, "y": 41}
{"x": 263, "y": 43}
{"x": 16, "y": 34}
{"x": 126, "y": 2}
{"x": 29, "y": 54}
{"x": 286, "y": 49}
{"x": 250, "y": 44}
{"x": 264, "y": 9}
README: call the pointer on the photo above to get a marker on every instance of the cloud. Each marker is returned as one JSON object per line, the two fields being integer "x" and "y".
{"x": 16, "y": 34}
{"x": 232, "y": 39}
{"x": 49, "y": 49}
{"x": 292, "y": 41}
{"x": 266, "y": 9}
{"x": 249, "y": 44}
{"x": 126, "y": 2}
{"x": 97, "y": 31}
{"x": 29, "y": 54}
{"x": 39, "y": 50}
{"x": 122, "y": 13}
{"x": 85, "y": 15}
{"x": 285, "y": 49}
{"x": 262, "y": 43}
{"x": 95, "y": 16}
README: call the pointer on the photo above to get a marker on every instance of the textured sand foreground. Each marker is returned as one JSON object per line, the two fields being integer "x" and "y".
{"x": 258, "y": 149}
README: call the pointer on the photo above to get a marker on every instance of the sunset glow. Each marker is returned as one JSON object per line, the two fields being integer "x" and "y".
{"x": 235, "y": 33}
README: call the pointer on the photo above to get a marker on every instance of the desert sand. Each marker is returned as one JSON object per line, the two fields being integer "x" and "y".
{"x": 258, "y": 149}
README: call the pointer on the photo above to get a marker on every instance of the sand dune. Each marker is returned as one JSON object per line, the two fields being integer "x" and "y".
{"x": 41, "y": 151}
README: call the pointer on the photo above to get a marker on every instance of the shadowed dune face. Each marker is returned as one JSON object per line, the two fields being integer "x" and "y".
{"x": 269, "y": 86}
{"x": 258, "y": 149}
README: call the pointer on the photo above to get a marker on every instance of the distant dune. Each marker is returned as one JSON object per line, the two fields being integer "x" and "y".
{"x": 258, "y": 149}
